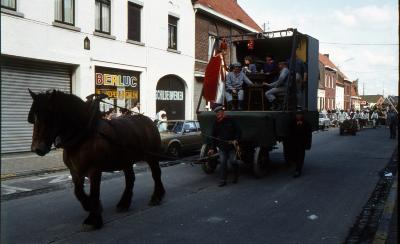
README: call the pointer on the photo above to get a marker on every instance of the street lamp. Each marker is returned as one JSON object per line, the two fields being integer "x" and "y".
{"x": 86, "y": 43}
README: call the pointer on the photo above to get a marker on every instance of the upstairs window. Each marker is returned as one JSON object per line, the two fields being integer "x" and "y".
{"x": 134, "y": 17}
{"x": 65, "y": 11}
{"x": 103, "y": 16}
{"x": 172, "y": 32}
{"x": 9, "y": 4}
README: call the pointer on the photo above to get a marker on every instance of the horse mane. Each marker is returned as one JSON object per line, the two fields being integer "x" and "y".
{"x": 68, "y": 109}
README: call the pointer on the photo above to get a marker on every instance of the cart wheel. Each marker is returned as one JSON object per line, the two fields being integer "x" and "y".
{"x": 260, "y": 162}
{"x": 210, "y": 165}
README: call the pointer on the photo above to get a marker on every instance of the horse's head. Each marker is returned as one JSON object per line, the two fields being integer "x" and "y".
{"x": 43, "y": 117}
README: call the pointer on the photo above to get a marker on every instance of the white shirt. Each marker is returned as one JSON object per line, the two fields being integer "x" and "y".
{"x": 160, "y": 113}
{"x": 135, "y": 110}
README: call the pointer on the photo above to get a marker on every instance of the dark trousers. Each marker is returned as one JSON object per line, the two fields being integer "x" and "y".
{"x": 393, "y": 130}
{"x": 299, "y": 154}
{"x": 226, "y": 156}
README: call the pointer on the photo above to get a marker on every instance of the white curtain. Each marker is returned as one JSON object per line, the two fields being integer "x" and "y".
{"x": 8, "y": 3}
{"x": 106, "y": 18}
{"x": 69, "y": 11}
{"x": 97, "y": 18}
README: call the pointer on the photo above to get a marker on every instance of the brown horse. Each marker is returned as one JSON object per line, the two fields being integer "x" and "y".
{"x": 93, "y": 145}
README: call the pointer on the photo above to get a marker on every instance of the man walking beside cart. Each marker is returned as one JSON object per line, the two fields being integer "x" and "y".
{"x": 225, "y": 135}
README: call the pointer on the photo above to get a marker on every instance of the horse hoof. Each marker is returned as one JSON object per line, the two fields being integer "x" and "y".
{"x": 92, "y": 222}
{"x": 155, "y": 201}
{"x": 122, "y": 209}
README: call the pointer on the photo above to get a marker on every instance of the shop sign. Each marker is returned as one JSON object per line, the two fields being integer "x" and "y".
{"x": 118, "y": 84}
{"x": 170, "y": 95}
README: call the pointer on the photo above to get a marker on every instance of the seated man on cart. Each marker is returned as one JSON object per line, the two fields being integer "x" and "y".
{"x": 234, "y": 86}
{"x": 279, "y": 85}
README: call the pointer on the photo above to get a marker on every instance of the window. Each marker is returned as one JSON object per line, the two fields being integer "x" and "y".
{"x": 10, "y": 4}
{"x": 103, "y": 16}
{"x": 172, "y": 32}
{"x": 134, "y": 12}
{"x": 190, "y": 127}
{"x": 211, "y": 42}
{"x": 65, "y": 11}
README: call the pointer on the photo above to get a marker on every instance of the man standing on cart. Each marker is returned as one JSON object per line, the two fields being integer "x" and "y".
{"x": 225, "y": 135}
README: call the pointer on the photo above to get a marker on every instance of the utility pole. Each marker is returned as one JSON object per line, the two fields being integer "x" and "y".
{"x": 363, "y": 88}
{"x": 265, "y": 26}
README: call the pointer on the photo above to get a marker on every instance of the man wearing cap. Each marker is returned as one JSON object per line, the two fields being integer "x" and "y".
{"x": 234, "y": 83}
{"x": 299, "y": 140}
{"x": 279, "y": 85}
{"x": 225, "y": 135}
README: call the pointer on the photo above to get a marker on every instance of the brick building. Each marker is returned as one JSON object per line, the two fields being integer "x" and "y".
{"x": 329, "y": 80}
{"x": 321, "y": 87}
{"x": 347, "y": 93}
{"x": 216, "y": 18}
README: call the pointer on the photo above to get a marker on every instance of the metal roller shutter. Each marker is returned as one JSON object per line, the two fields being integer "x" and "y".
{"x": 16, "y": 77}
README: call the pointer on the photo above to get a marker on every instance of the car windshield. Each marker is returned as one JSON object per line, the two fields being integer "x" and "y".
{"x": 170, "y": 126}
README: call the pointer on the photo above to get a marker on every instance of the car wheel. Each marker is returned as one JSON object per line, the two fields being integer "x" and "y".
{"x": 174, "y": 150}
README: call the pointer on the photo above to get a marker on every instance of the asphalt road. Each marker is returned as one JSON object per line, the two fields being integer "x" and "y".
{"x": 339, "y": 175}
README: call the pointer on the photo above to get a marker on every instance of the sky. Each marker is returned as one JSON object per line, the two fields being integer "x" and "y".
{"x": 337, "y": 24}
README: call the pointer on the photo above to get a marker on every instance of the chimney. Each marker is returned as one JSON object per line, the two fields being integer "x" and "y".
{"x": 326, "y": 55}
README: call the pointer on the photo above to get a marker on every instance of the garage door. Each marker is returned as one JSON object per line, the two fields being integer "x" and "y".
{"x": 16, "y": 77}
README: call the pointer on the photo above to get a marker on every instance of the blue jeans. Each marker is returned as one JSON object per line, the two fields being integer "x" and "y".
{"x": 229, "y": 96}
{"x": 224, "y": 158}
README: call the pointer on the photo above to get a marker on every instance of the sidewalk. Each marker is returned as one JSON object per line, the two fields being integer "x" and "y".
{"x": 20, "y": 164}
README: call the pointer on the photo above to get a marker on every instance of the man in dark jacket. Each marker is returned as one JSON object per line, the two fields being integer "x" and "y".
{"x": 225, "y": 135}
{"x": 392, "y": 122}
{"x": 300, "y": 136}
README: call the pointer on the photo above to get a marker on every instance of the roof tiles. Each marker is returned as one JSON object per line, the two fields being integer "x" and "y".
{"x": 231, "y": 9}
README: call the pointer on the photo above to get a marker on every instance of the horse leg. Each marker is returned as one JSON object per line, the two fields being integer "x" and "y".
{"x": 94, "y": 220}
{"x": 79, "y": 191}
{"x": 126, "y": 198}
{"x": 159, "y": 190}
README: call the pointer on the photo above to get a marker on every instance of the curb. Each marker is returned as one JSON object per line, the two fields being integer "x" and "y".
{"x": 381, "y": 234}
{"x": 11, "y": 176}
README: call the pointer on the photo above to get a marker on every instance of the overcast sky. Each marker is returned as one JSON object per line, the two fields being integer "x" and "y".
{"x": 348, "y": 22}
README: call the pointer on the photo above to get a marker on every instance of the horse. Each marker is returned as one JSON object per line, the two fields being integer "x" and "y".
{"x": 92, "y": 145}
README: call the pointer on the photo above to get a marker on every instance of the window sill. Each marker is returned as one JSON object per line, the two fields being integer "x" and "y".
{"x": 173, "y": 51}
{"x": 108, "y": 36}
{"x": 65, "y": 26}
{"x": 135, "y": 42}
{"x": 12, "y": 12}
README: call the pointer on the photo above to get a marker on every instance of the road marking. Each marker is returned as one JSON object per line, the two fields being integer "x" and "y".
{"x": 12, "y": 189}
{"x": 57, "y": 178}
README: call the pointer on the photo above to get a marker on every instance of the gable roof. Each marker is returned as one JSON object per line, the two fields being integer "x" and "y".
{"x": 231, "y": 9}
{"x": 371, "y": 98}
{"x": 327, "y": 62}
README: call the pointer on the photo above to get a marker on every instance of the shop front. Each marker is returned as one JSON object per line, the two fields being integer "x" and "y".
{"x": 121, "y": 86}
{"x": 170, "y": 95}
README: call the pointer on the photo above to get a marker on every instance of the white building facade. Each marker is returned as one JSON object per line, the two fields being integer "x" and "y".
{"x": 134, "y": 51}
{"x": 339, "y": 97}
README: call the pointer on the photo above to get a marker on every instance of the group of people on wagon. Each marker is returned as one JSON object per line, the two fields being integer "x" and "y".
{"x": 278, "y": 78}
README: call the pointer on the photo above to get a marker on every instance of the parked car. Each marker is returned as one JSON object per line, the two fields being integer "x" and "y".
{"x": 324, "y": 121}
{"x": 179, "y": 136}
